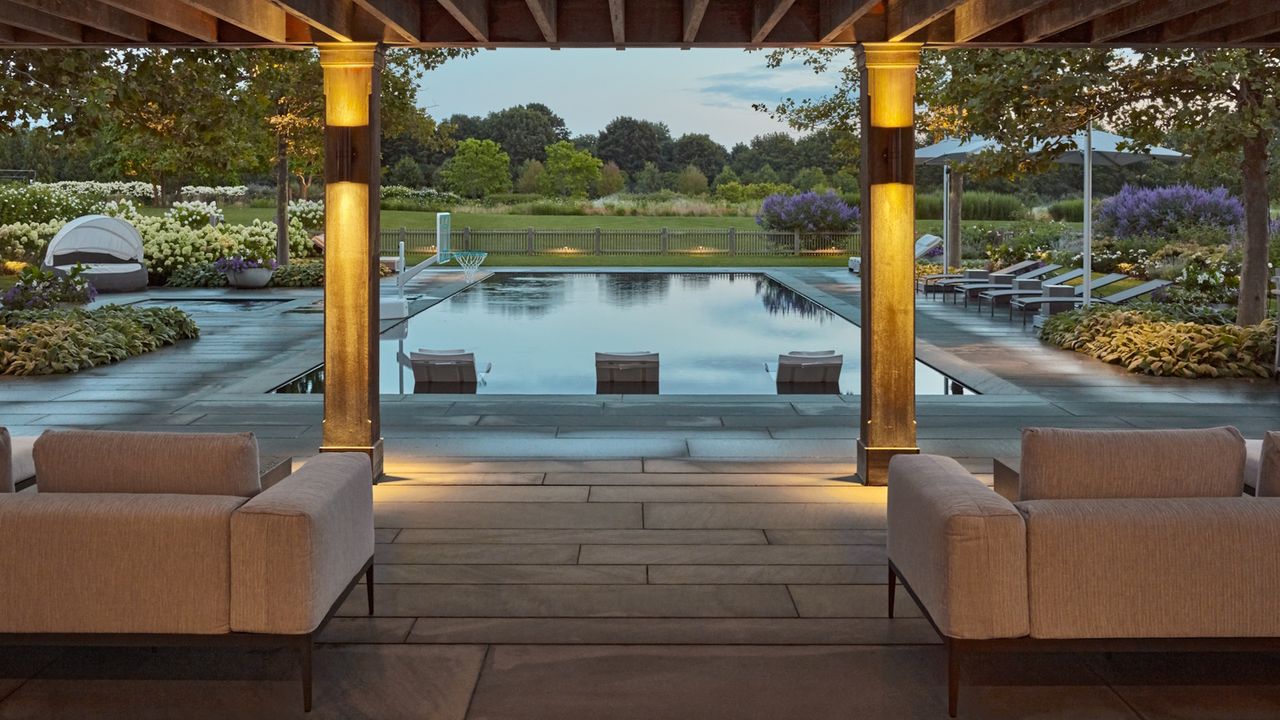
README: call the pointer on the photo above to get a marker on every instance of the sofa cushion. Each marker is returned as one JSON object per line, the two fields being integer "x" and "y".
{"x": 115, "y": 563}
{"x": 99, "y": 461}
{"x": 1061, "y": 463}
{"x": 6, "y": 462}
{"x": 960, "y": 546}
{"x": 1164, "y": 567}
{"x": 1267, "y": 474}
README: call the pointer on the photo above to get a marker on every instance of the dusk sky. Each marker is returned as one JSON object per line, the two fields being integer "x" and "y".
{"x": 696, "y": 91}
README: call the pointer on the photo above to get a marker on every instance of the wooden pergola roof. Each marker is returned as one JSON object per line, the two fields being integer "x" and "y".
{"x": 639, "y": 23}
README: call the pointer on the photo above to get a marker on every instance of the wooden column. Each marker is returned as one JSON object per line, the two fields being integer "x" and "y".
{"x": 888, "y": 421}
{"x": 352, "y": 86}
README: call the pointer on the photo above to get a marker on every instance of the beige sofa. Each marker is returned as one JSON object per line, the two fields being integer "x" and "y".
{"x": 163, "y": 538}
{"x": 1118, "y": 539}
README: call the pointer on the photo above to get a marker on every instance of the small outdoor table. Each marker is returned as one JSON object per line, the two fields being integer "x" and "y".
{"x": 1005, "y": 472}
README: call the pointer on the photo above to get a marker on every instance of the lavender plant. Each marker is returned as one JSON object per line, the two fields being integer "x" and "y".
{"x": 1161, "y": 211}
{"x": 808, "y": 212}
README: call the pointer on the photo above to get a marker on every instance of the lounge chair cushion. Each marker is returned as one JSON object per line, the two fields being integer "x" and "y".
{"x": 1165, "y": 567}
{"x": 1064, "y": 463}
{"x": 113, "y": 563}
{"x": 99, "y": 461}
{"x": 1266, "y": 473}
{"x": 961, "y": 547}
{"x": 111, "y": 277}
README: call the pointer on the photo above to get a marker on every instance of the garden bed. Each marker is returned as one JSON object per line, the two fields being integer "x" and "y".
{"x": 55, "y": 341}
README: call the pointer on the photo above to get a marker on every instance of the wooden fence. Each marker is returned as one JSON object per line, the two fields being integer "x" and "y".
{"x": 625, "y": 242}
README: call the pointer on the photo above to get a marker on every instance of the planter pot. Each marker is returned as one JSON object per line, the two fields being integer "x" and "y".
{"x": 251, "y": 278}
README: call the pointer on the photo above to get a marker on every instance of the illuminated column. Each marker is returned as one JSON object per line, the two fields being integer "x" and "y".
{"x": 352, "y": 163}
{"x": 888, "y": 422}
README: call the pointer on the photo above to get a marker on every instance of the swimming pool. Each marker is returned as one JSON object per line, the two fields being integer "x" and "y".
{"x": 714, "y": 332}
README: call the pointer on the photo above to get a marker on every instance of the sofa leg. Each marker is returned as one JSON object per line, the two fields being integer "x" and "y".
{"x": 305, "y": 647}
{"x": 953, "y": 677}
{"x": 368, "y": 582}
{"x": 893, "y": 589}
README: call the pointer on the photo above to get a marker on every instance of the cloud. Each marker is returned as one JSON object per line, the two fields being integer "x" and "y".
{"x": 763, "y": 85}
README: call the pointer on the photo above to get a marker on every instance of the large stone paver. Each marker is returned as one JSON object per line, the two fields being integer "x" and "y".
{"x": 508, "y": 515}
{"x": 731, "y": 554}
{"x": 674, "y": 631}
{"x": 589, "y": 537}
{"x": 825, "y": 516}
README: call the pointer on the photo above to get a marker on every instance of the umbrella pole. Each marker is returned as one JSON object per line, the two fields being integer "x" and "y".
{"x": 946, "y": 218}
{"x": 1088, "y": 214}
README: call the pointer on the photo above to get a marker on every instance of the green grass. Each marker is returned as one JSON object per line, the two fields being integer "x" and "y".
{"x": 1114, "y": 287}
{"x": 657, "y": 261}
{"x": 394, "y": 219}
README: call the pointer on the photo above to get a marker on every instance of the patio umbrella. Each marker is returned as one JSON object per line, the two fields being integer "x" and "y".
{"x": 1091, "y": 147}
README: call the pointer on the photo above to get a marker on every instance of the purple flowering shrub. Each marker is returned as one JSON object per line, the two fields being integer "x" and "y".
{"x": 39, "y": 289}
{"x": 1138, "y": 211}
{"x": 808, "y": 212}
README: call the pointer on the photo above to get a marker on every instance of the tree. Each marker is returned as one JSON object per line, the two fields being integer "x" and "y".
{"x": 648, "y": 179}
{"x": 810, "y": 178}
{"x": 726, "y": 176}
{"x": 1221, "y": 103}
{"x": 570, "y": 172}
{"x": 478, "y": 168}
{"x": 406, "y": 172}
{"x": 530, "y": 179}
{"x": 523, "y": 131}
{"x": 765, "y": 174}
{"x": 612, "y": 180}
{"x": 589, "y": 142}
{"x": 691, "y": 181}
{"x": 702, "y": 152}
{"x": 631, "y": 143}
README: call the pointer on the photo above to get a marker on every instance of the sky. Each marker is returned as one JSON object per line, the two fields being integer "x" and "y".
{"x": 694, "y": 91}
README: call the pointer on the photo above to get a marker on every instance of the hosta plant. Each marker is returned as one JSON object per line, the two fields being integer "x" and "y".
{"x": 47, "y": 342}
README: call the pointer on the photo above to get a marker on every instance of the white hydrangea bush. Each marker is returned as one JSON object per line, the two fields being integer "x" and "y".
{"x": 225, "y": 193}
{"x": 308, "y": 212}
{"x": 194, "y": 213}
{"x": 26, "y": 242}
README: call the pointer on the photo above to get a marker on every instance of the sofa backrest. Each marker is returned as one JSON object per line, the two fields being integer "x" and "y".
{"x": 6, "y": 462}
{"x": 1064, "y": 463}
{"x": 1269, "y": 471}
{"x": 99, "y": 461}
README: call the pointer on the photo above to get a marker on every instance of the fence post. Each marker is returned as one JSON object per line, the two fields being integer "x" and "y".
{"x": 532, "y": 234}
{"x": 797, "y": 242}
{"x": 599, "y": 234}
{"x": 466, "y": 238}
{"x": 664, "y": 241}
{"x": 733, "y": 241}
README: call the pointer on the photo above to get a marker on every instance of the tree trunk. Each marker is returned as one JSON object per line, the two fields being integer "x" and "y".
{"x": 1257, "y": 215}
{"x": 955, "y": 207}
{"x": 282, "y": 200}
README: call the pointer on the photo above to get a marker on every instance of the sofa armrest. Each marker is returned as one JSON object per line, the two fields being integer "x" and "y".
{"x": 296, "y": 546}
{"x": 115, "y": 563}
{"x": 959, "y": 546}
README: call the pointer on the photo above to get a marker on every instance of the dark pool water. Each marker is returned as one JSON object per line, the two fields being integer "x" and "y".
{"x": 715, "y": 332}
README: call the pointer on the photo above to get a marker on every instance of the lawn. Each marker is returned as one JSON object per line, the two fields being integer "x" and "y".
{"x": 394, "y": 219}
{"x": 585, "y": 260}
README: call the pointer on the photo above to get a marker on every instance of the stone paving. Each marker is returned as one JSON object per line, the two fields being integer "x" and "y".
{"x": 628, "y": 557}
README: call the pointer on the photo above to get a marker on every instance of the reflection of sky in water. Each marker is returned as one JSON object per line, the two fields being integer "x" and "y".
{"x": 714, "y": 332}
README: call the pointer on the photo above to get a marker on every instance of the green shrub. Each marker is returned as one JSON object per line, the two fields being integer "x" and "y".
{"x": 974, "y": 206}
{"x": 1070, "y": 210}
{"x": 1153, "y": 342}
{"x": 300, "y": 273}
{"x": 47, "y": 342}
{"x": 1027, "y": 241}
{"x": 197, "y": 276}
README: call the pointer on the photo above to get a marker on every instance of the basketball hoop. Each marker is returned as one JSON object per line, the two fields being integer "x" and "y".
{"x": 469, "y": 262}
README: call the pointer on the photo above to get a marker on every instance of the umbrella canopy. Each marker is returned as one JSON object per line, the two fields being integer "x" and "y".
{"x": 1091, "y": 147}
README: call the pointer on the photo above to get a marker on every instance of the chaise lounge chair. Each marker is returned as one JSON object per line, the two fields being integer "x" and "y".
{"x": 1145, "y": 288}
{"x": 627, "y": 372}
{"x": 1004, "y": 281}
{"x": 109, "y": 248}
{"x": 925, "y": 244}
{"x": 1008, "y": 294}
{"x": 808, "y": 373}
{"x": 947, "y": 280}
{"x": 444, "y": 371}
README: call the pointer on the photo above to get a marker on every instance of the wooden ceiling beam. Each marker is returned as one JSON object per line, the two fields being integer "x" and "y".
{"x": 766, "y": 16}
{"x": 837, "y": 18}
{"x": 334, "y": 18}
{"x": 907, "y": 17}
{"x": 544, "y": 14}
{"x": 1145, "y": 14}
{"x": 979, "y": 17}
{"x": 402, "y": 17}
{"x": 694, "y": 11}
{"x": 1251, "y": 30}
{"x": 618, "y": 20}
{"x": 1061, "y": 15}
{"x": 173, "y": 15}
{"x": 260, "y": 18}
{"x": 92, "y": 14}
{"x": 472, "y": 15}
{"x": 1225, "y": 15}
{"x": 25, "y": 18}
